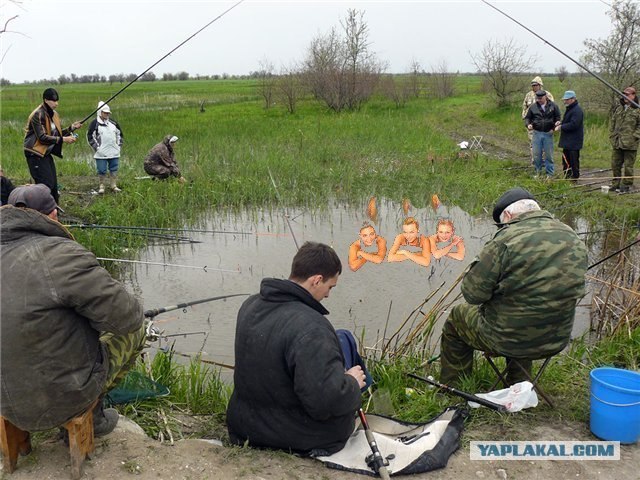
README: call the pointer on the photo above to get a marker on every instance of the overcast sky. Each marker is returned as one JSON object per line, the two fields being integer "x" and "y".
{"x": 56, "y": 37}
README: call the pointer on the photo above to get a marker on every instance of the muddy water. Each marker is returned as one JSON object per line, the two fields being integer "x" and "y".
{"x": 372, "y": 302}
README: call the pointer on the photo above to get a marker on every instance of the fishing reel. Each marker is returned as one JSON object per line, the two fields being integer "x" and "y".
{"x": 152, "y": 333}
{"x": 372, "y": 463}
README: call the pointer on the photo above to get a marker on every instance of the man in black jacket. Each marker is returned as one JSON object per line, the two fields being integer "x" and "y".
{"x": 571, "y": 135}
{"x": 292, "y": 390}
{"x": 543, "y": 117}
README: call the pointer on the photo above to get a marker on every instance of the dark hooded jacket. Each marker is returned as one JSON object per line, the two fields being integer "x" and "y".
{"x": 291, "y": 391}
{"x": 161, "y": 160}
{"x": 56, "y": 299}
{"x": 572, "y": 128}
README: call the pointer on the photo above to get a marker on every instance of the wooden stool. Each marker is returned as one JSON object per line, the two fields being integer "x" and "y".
{"x": 15, "y": 441}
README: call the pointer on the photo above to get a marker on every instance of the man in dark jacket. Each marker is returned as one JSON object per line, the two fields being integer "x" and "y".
{"x": 44, "y": 137}
{"x": 160, "y": 162}
{"x": 292, "y": 390}
{"x": 68, "y": 330}
{"x": 542, "y": 118}
{"x": 571, "y": 135}
{"x": 521, "y": 291}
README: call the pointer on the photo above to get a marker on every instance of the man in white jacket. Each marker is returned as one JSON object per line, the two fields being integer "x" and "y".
{"x": 105, "y": 137}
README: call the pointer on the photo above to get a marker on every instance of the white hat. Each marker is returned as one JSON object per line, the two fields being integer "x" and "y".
{"x": 173, "y": 139}
{"x": 103, "y": 107}
{"x": 463, "y": 145}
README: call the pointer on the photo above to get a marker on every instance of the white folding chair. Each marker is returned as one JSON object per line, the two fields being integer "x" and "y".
{"x": 476, "y": 142}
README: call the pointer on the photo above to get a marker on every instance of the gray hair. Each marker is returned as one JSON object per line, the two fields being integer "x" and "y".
{"x": 521, "y": 206}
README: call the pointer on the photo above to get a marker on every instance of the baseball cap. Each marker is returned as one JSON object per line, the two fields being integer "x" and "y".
{"x": 103, "y": 107}
{"x": 569, "y": 94}
{"x": 630, "y": 90}
{"x": 50, "y": 94}
{"x": 173, "y": 139}
{"x": 37, "y": 197}
{"x": 541, "y": 93}
{"x": 509, "y": 197}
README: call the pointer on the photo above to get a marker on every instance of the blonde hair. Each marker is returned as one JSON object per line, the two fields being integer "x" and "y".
{"x": 446, "y": 222}
{"x": 367, "y": 225}
{"x": 411, "y": 221}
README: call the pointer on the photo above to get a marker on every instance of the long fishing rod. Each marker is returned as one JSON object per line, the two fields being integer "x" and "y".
{"x": 286, "y": 215}
{"x": 161, "y": 59}
{"x": 618, "y": 92}
{"x": 613, "y": 254}
{"x": 162, "y": 229}
{"x": 157, "y": 311}
{"x": 467, "y": 396}
{"x": 162, "y": 264}
{"x": 379, "y": 462}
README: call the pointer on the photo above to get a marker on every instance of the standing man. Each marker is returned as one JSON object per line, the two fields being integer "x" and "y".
{"x": 292, "y": 390}
{"x": 521, "y": 291}
{"x": 68, "y": 331}
{"x": 542, "y": 118}
{"x": 571, "y": 135}
{"x": 530, "y": 99}
{"x": 624, "y": 133}
{"x": 43, "y": 138}
{"x": 105, "y": 137}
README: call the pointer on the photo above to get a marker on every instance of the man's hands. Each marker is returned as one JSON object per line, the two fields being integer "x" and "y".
{"x": 357, "y": 373}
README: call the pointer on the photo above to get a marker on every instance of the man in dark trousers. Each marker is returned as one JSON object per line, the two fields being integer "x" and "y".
{"x": 571, "y": 135}
{"x": 292, "y": 390}
{"x": 542, "y": 118}
{"x": 44, "y": 138}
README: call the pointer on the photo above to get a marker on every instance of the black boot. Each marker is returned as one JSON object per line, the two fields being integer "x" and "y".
{"x": 104, "y": 419}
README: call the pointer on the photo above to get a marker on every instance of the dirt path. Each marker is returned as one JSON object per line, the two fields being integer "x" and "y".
{"x": 126, "y": 453}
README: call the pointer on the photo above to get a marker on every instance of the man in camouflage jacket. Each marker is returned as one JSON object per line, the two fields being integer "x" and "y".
{"x": 521, "y": 291}
{"x": 624, "y": 133}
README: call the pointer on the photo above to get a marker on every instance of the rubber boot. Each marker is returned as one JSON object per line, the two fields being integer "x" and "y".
{"x": 104, "y": 419}
{"x": 114, "y": 187}
{"x": 101, "y": 187}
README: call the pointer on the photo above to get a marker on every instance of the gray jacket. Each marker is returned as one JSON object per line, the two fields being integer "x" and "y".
{"x": 56, "y": 300}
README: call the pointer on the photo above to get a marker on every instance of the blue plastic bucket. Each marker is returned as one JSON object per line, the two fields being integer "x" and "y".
{"x": 615, "y": 404}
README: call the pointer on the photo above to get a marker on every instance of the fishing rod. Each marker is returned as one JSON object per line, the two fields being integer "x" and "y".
{"x": 165, "y": 229}
{"x": 285, "y": 214}
{"x": 162, "y": 264}
{"x": 467, "y": 396}
{"x": 614, "y": 254}
{"x": 618, "y": 92}
{"x": 161, "y": 59}
{"x": 379, "y": 462}
{"x": 157, "y": 311}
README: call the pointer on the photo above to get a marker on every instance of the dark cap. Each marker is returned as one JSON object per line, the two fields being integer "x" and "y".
{"x": 541, "y": 93}
{"x": 37, "y": 197}
{"x": 507, "y": 198}
{"x": 50, "y": 94}
{"x": 630, "y": 90}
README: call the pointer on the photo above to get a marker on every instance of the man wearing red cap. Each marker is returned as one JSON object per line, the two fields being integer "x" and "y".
{"x": 44, "y": 137}
{"x": 624, "y": 132}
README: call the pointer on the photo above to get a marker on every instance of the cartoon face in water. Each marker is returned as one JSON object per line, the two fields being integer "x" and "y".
{"x": 367, "y": 235}
{"x": 445, "y": 230}
{"x": 410, "y": 230}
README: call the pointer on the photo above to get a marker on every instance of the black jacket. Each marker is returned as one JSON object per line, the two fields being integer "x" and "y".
{"x": 542, "y": 121}
{"x": 291, "y": 391}
{"x": 572, "y": 129}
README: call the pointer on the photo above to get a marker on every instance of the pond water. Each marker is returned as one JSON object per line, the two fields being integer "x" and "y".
{"x": 373, "y": 302}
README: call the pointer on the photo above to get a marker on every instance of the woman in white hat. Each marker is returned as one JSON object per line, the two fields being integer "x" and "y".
{"x": 105, "y": 137}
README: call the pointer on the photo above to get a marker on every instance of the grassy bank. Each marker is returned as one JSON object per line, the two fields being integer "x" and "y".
{"x": 228, "y": 154}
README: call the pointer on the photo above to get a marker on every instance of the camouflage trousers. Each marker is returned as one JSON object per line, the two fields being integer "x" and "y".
{"x": 620, "y": 159}
{"x": 462, "y": 333}
{"x": 122, "y": 353}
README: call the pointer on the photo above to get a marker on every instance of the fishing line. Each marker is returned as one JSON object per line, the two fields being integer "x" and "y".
{"x": 161, "y": 59}
{"x": 618, "y": 92}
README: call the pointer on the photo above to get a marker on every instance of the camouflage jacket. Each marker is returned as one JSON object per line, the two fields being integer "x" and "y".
{"x": 527, "y": 280}
{"x": 624, "y": 130}
{"x": 530, "y": 99}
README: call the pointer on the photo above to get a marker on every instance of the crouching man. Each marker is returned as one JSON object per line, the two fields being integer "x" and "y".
{"x": 293, "y": 389}
{"x": 521, "y": 291}
{"x": 68, "y": 331}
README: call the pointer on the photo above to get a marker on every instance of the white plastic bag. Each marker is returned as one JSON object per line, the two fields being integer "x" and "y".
{"x": 515, "y": 398}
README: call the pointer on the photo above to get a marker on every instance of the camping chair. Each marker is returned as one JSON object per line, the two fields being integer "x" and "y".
{"x": 534, "y": 379}
{"x": 14, "y": 441}
{"x": 476, "y": 143}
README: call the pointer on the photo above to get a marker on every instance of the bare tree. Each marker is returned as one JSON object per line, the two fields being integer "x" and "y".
{"x": 341, "y": 70}
{"x": 416, "y": 74}
{"x": 562, "y": 73}
{"x": 617, "y": 57}
{"x": 441, "y": 80}
{"x": 4, "y": 30}
{"x": 396, "y": 89}
{"x": 289, "y": 87}
{"x": 503, "y": 65}
{"x": 266, "y": 82}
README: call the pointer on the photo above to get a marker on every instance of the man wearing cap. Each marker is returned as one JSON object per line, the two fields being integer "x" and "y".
{"x": 105, "y": 137}
{"x": 160, "y": 162}
{"x": 521, "y": 291}
{"x": 43, "y": 138}
{"x": 530, "y": 97}
{"x": 624, "y": 133}
{"x": 571, "y": 135}
{"x": 541, "y": 119}
{"x": 68, "y": 331}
